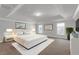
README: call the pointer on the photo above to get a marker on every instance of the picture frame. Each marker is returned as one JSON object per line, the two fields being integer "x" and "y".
{"x": 20, "y": 25}
{"x": 48, "y": 27}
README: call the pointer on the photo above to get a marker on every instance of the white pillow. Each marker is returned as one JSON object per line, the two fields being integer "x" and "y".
{"x": 19, "y": 33}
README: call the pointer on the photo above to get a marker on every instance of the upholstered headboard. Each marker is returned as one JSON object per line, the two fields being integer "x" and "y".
{"x": 21, "y": 31}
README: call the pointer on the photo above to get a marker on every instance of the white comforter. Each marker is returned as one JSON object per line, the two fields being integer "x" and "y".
{"x": 30, "y": 40}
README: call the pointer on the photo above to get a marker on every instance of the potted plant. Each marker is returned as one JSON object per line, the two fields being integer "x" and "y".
{"x": 69, "y": 30}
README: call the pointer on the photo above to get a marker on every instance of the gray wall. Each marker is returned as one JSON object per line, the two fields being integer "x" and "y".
{"x": 10, "y": 25}
{"x": 3, "y": 26}
{"x": 68, "y": 23}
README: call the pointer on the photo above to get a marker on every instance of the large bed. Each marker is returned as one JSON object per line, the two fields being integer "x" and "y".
{"x": 31, "y": 40}
{"x": 26, "y": 39}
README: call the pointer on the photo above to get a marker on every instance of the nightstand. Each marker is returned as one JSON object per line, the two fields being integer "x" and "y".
{"x": 8, "y": 38}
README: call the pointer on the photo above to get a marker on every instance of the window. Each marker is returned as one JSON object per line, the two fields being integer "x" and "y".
{"x": 60, "y": 28}
{"x": 40, "y": 28}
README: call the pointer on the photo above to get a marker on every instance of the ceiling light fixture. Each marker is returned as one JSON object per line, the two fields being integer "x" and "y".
{"x": 38, "y": 14}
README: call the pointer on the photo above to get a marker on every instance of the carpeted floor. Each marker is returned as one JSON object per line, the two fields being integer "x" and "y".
{"x": 58, "y": 47}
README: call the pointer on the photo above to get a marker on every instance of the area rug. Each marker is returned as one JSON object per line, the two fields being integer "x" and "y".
{"x": 34, "y": 51}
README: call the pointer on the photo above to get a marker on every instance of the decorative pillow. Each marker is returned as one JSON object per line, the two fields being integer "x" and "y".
{"x": 18, "y": 32}
{"x": 26, "y": 32}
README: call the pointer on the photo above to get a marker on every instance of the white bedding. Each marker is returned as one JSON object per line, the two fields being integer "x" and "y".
{"x": 30, "y": 40}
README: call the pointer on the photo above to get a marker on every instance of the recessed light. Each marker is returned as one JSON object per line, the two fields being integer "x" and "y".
{"x": 38, "y": 14}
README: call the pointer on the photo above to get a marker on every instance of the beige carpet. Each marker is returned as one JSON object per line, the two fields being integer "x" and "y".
{"x": 58, "y": 47}
{"x": 8, "y": 49}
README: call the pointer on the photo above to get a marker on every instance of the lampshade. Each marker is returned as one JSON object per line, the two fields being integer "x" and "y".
{"x": 9, "y": 30}
{"x": 33, "y": 30}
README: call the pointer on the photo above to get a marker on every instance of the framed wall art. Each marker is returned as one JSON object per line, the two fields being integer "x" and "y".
{"x": 20, "y": 25}
{"x": 48, "y": 27}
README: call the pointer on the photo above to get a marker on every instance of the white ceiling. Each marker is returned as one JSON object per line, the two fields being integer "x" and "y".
{"x": 6, "y": 9}
{"x": 50, "y": 12}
